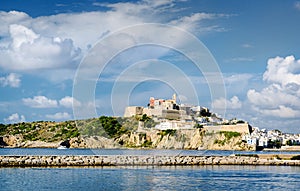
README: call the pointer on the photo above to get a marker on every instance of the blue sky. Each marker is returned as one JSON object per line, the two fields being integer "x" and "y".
{"x": 254, "y": 43}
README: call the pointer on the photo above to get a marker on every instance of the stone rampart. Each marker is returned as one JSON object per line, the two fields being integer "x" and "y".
{"x": 241, "y": 128}
{"x": 121, "y": 160}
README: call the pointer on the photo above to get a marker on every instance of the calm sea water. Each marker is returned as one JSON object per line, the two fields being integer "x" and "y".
{"x": 152, "y": 178}
{"x": 146, "y": 178}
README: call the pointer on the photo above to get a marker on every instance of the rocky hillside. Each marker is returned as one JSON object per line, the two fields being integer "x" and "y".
{"x": 110, "y": 132}
{"x": 184, "y": 139}
{"x": 37, "y": 134}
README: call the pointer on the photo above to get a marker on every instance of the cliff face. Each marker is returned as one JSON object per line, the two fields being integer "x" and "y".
{"x": 13, "y": 141}
{"x": 18, "y": 141}
{"x": 225, "y": 141}
{"x": 184, "y": 139}
{"x": 93, "y": 142}
{"x": 169, "y": 139}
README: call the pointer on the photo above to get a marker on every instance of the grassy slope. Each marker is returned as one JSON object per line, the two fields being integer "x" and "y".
{"x": 46, "y": 131}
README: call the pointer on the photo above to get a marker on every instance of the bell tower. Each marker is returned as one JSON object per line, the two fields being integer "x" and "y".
{"x": 174, "y": 97}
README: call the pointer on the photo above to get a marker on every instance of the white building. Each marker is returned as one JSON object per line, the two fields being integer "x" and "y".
{"x": 175, "y": 125}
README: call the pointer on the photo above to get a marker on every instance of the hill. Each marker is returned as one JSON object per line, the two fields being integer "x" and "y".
{"x": 114, "y": 132}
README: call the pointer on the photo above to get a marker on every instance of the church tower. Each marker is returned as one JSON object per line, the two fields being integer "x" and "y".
{"x": 174, "y": 97}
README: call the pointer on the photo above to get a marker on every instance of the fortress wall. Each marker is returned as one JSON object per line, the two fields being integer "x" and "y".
{"x": 132, "y": 111}
{"x": 241, "y": 128}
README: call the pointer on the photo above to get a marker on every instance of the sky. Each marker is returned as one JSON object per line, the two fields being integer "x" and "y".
{"x": 64, "y": 60}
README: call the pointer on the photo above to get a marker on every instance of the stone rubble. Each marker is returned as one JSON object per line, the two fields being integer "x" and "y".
{"x": 122, "y": 160}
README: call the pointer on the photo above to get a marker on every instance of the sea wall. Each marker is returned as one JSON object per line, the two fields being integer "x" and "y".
{"x": 121, "y": 160}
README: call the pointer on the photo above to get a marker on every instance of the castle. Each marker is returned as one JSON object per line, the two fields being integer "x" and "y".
{"x": 171, "y": 115}
{"x": 159, "y": 108}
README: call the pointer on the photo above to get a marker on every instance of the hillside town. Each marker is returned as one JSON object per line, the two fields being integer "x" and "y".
{"x": 271, "y": 139}
{"x": 172, "y": 116}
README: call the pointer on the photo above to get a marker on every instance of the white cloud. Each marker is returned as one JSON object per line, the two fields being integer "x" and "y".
{"x": 40, "y": 102}
{"x": 68, "y": 102}
{"x": 28, "y": 50}
{"x": 280, "y": 111}
{"x": 283, "y": 70}
{"x": 192, "y": 22}
{"x": 222, "y": 103}
{"x": 44, "y": 102}
{"x": 272, "y": 96}
{"x": 21, "y": 35}
{"x": 59, "y": 116}
{"x": 15, "y": 118}
{"x": 59, "y": 41}
{"x": 13, "y": 80}
{"x": 7, "y": 18}
{"x": 147, "y": 8}
{"x": 281, "y": 97}
{"x": 187, "y": 20}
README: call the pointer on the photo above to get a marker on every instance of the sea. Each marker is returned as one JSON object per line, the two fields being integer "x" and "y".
{"x": 209, "y": 177}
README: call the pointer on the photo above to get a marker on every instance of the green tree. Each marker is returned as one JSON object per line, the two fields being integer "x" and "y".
{"x": 2, "y": 128}
{"x": 111, "y": 125}
{"x": 145, "y": 118}
{"x": 205, "y": 113}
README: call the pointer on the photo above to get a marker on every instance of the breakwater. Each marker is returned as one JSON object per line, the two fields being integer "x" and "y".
{"x": 121, "y": 160}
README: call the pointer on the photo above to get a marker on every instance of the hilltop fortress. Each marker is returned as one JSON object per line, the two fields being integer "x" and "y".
{"x": 171, "y": 115}
{"x": 158, "y": 108}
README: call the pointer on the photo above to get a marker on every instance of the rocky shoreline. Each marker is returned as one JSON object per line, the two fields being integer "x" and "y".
{"x": 143, "y": 160}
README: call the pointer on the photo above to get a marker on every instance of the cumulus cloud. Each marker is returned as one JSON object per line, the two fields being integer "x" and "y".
{"x": 12, "y": 80}
{"x": 59, "y": 116}
{"x": 59, "y": 41}
{"x": 222, "y": 103}
{"x": 280, "y": 98}
{"x": 7, "y": 18}
{"x": 40, "y": 102}
{"x": 28, "y": 50}
{"x": 272, "y": 96}
{"x": 15, "y": 118}
{"x": 69, "y": 102}
{"x": 44, "y": 102}
{"x": 283, "y": 70}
